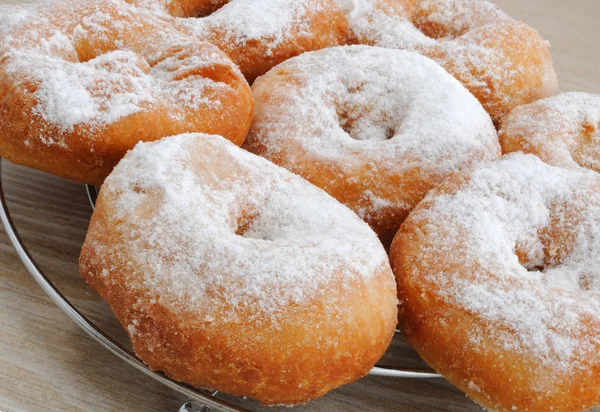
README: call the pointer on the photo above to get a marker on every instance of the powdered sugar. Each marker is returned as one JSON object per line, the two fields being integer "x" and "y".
{"x": 267, "y": 21}
{"x": 363, "y": 108}
{"x": 453, "y": 18}
{"x": 506, "y": 222}
{"x": 381, "y": 24}
{"x": 563, "y": 130}
{"x": 473, "y": 39}
{"x": 71, "y": 94}
{"x": 204, "y": 223}
{"x": 85, "y": 68}
{"x": 10, "y": 17}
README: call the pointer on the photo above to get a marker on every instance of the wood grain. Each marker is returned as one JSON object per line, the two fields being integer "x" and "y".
{"x": 48, "y": 364}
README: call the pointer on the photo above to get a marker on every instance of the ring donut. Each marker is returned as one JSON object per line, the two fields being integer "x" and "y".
{"x": 81, "y": 83}
{"x": 375, "y": 128}
{"x": 498, "y": 274}
{"x": 231, "y": 273}
{"x": 563, "y": 130}
{"x": 259, "y": 34}
{"x": 503, "y": 62}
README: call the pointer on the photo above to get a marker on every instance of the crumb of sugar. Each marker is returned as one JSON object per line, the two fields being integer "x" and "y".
{"x": 473, "y": 386}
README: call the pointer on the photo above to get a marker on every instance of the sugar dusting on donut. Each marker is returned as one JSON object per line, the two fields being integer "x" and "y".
{"x": 456, "y": 16}
{"x": 11, "y": 16}
{"x": 111, "y": 86}
{"x": 64, "y": 97}
{"x": 404, "y": 26}
{"x": 563, "y": 130}
{"x": 367, "y": 20}
{"x": 473, "y": 39}
{"x": 505, "y": 205}
{"x": 370, "y": 96}
{"x": 241, "y": 247}
{"x": 369, "y": 115}
{"x": 270, "y": 21}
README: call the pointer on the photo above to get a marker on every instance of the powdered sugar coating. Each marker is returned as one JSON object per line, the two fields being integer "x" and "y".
{"x": 267, "y": 21}
{"x": 525, "y": 260}
{"x": 563, "y": 130}
{"x": 473, "y": 39}
{"x": 204, "y": 225}
{"x": 257, "y": 34}
{"x": 370, "y": 115}
{"x": 88, "y": 69}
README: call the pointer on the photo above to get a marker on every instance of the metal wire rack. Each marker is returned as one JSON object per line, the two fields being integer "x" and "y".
{"x": 200, "y": 400}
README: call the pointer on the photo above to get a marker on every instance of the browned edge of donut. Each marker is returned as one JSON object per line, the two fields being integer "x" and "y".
{"x": 488, "y": 373}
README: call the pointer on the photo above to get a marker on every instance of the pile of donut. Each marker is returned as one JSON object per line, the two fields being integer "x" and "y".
{"x": 402, "y": 162}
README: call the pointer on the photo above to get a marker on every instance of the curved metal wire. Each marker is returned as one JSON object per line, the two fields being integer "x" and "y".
{"x": 87, "y": 326}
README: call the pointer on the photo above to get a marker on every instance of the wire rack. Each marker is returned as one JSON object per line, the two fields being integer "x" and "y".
{"x": 200, "y": 400}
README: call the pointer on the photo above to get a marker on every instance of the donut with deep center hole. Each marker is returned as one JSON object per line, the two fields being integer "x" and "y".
{"x": 502, "y": 61}
{"x": 232, "y": 273}
{"x": 258, "y": 34}
{"x": 563, "y": 130}
{"x": 375, "y": 128}
{"x": 498, "y": 274}
{"x": 81, "y": 83}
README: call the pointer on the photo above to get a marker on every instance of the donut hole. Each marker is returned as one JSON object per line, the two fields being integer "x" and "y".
{"x": 545, "y": 251}
{"x": 434, "y": 30}
{"x": 437, "y": 26}
{"x": 244, "y": 222}
{"x": 556, "y": 268}
{"x": 562, "y": 251}
{"x": 359, "y": 126}
{"x": 205, "y": 12}
{"x": 248, "y": 226}
{"x": 367, "y": 112}
{"x": 194, "y": 8}
{"x": 449, "y": 19}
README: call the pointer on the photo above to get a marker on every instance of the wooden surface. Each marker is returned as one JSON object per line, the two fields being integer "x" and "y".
{"x": 48, "y": 364}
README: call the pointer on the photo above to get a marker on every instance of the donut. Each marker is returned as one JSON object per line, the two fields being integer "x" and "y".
{"x": 502, "y": 61}
{"x": 498, "y": 273}
{"x": 563, "y": 130}
{"x": 375, "y": 128}
{"x": 258, "y": 34}
{"x": 231, "y": 273}
{"x": 82, "y": 82}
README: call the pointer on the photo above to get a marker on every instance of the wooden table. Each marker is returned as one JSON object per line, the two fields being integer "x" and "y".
{"x": 48, "y": 364}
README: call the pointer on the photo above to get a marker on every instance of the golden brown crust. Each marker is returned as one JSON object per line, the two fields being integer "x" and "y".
{"x": 284, "y": 369}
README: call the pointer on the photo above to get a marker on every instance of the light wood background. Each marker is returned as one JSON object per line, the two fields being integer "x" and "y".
{"x": 48, "y": 364}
